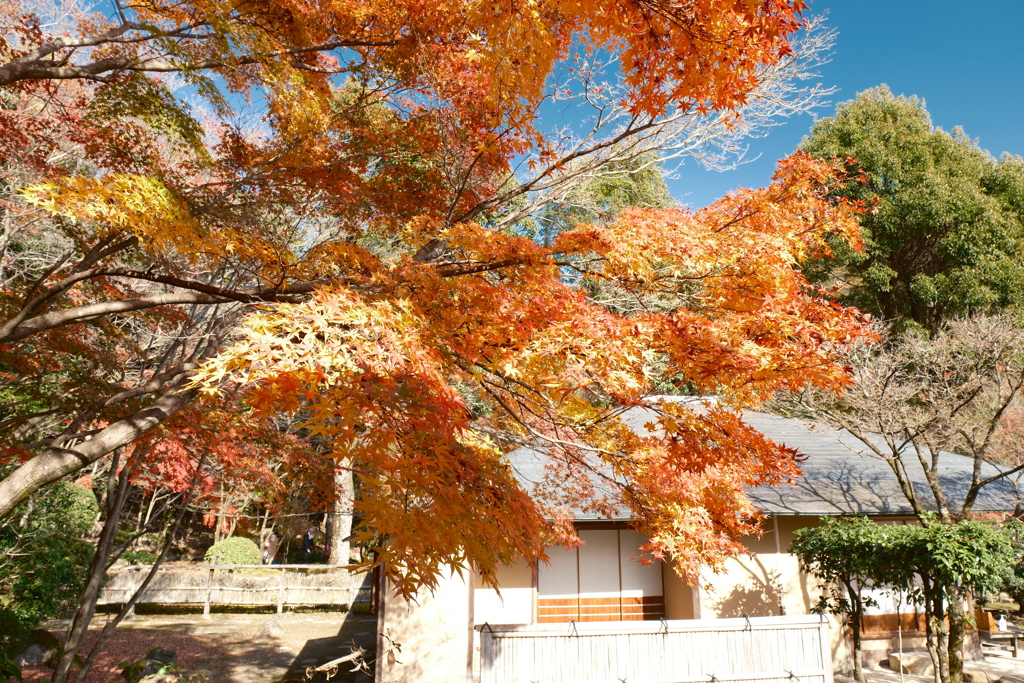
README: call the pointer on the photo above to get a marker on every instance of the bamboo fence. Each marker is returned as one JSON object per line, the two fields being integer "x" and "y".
{"x": 793, "y": 649}
{"x": 277, "y": 585}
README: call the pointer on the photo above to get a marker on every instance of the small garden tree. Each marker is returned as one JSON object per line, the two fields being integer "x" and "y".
{"x": 849, "y": 555}
{"x": 234, "y": 550}
{"x": 950, "y": 561}
{"x": 936, "y": 564}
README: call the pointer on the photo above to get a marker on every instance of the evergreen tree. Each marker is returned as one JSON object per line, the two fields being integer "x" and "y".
{"x": 945, "y": 219}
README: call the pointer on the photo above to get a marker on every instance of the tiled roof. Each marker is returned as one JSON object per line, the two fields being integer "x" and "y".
{"x": 838, "y": 476}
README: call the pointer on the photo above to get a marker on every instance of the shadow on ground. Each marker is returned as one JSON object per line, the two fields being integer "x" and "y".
{"x": 233, "y": 648}
{"x": 357, "y": 630}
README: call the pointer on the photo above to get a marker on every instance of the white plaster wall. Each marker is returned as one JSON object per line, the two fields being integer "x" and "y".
{"x": 768, "y": 583}
{"x": 433, "y": 632}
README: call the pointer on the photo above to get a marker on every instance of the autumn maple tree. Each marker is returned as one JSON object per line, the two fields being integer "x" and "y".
{"x": 322, "y": 208}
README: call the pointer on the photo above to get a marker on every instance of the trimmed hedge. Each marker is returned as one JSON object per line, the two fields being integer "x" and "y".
{"x": 234, "y": 550}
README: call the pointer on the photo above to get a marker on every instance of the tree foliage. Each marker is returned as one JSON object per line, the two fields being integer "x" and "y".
{"x": 338, "y": 253}
{"x": 933, "y": 564}
{"x": 146, "y": 220}
{"x": 374, "y": 368}
{"x": 944, "y": 238}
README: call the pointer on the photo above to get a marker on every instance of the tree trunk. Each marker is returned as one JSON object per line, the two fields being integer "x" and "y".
{"x": 341, "y": 518}
{"x": 957, "y": 634}
{"x": 85, "y": 608}
{"x": 858, "y": 665}
{"x": 929, "y": 630}
{"x": 108, "y": 629}
{"x": 941, "y": 637}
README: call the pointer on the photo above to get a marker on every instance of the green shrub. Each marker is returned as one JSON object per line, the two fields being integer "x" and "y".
{"x": 234, "y": 550}
{"x": 138, "y": 557}
{"x": 46, "y": 559}
{"x": 81, "y": 508}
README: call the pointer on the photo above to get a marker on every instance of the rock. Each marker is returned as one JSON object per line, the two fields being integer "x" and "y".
{"x": 42, "y": 647}
{"x": 912, "y": 663}
{"x": 143, "y": 669}
{"x": 972, "y": 675}
{"x": 162, "y": 654}
{"x": 271, "y": 628}
{"x": 160, "y": 678}
{"x": 153, "y": 664}
{"x": 1012, "y": 678}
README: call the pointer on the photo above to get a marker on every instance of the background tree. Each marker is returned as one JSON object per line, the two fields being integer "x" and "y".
{"x": 915, "y": 398}
{"x": 944, "y": 238}
{"x": 44, "y": 557}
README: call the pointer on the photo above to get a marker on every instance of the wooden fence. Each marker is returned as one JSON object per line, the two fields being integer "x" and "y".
{"x": 755, "y": 650}
{"x": 256, "y": 585}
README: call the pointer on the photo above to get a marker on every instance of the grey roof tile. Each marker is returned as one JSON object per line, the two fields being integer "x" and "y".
{"x": 838, "y": 477}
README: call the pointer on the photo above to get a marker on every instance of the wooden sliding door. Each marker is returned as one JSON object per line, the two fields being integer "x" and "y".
{"x": 600, "y": 581}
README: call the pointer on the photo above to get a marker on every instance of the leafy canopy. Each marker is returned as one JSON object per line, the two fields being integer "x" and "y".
{"x": 340, "y": 261}
{"x": 944, "y": 238}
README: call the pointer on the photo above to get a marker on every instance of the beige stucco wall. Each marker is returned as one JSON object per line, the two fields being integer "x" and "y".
{"x": 769, "y": 582}
{"x": 433, "y": 631}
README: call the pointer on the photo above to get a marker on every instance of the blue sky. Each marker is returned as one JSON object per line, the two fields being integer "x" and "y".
{"x": 966, "y": 61}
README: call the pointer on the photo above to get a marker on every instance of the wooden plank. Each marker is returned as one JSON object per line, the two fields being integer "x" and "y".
{"x": 890, "y": 623}
{"x": 645, "y": 600}
{"x": 554, "y": 602}
{"x": 601, "y": 601}
{"x": 600, "y": 609}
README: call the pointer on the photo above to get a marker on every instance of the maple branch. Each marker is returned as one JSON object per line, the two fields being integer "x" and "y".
{"x": 35, "y": 302}
{"x": 540, "y": 435}
{"x": 277, "y": 294}
{"x": 457, "y": 270}
{"x": 55, "y": 462}
{"x": 22, "y": 326}
{"x": 33, "y": 67}
{"x": 81, "y": 314}
{"x": 153, "y": 385}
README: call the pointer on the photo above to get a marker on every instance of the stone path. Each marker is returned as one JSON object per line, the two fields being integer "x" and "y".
{"x": 995, "y": 665}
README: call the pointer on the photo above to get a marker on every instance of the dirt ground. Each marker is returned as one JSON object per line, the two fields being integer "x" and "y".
{"x": 225, "y": 649}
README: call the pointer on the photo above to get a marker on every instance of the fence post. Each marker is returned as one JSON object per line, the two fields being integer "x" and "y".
{"x": 134, "y": 583}
{"x": 280, "y": 593}
{"x": 209, "y": 592}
